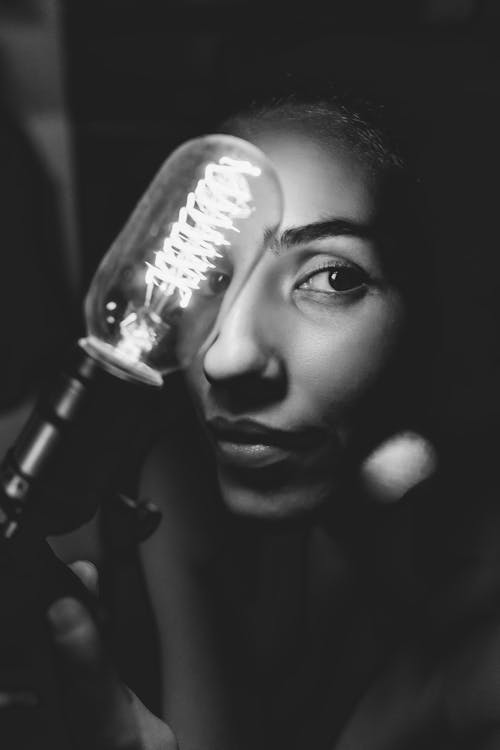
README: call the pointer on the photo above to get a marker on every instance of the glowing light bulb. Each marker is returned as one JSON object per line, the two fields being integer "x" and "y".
{"x": 156, "y": 298}
{"x": 214, "y": 196}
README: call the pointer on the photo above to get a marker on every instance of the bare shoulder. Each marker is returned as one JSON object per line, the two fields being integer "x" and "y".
{"x": 440, "y": 701}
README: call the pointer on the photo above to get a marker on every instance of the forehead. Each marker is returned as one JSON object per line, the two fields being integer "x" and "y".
{"x": 319, "y": 181}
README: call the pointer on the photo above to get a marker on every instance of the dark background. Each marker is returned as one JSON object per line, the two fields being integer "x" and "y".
{"x": 140, "y": 77}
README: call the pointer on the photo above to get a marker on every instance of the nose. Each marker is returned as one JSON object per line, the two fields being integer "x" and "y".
{"x": 246, "y": 344}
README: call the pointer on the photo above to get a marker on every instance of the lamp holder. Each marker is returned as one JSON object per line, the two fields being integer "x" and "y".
{"x": 82, "y": 430}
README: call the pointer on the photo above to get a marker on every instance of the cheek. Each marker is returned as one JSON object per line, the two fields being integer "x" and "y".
{"x": 335, "y": 365}
{"x": 195, "y": 380}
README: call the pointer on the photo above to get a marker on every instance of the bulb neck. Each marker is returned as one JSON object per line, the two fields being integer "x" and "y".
{"x": 66, "y": 456}
{"x": 110, "y": 360}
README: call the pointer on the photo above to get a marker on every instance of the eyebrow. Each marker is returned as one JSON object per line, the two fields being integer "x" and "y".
{"x": 319, "y": 230}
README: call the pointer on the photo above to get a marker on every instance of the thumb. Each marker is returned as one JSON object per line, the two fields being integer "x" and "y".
{"x": 398, "y": 465}
{"x": 101, "y": 712}
{"x": 97, "y": 707}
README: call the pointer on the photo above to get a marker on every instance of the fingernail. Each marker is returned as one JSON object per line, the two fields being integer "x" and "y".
{"x": 65, "y": 614}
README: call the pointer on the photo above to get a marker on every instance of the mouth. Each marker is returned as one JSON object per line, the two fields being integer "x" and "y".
{"x": 249, "y": 444}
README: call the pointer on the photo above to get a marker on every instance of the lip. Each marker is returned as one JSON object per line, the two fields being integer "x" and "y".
{"x": 249, "y": 443}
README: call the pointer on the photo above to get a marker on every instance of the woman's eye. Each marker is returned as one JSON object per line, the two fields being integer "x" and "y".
{"x": 216, "y": 282}
{"x": 335, "y": 279}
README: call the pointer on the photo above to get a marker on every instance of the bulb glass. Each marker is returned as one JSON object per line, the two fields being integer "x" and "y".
{"x": 158, "y": 292}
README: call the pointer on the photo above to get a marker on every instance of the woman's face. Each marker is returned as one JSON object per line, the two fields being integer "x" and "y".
{"x": 286, "y": 385}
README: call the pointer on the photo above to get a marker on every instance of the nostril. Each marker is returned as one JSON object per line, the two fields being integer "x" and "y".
{"x": 246, "y": 392}
{"x": 244, "y": 372}
{"x": 233, "y": 357}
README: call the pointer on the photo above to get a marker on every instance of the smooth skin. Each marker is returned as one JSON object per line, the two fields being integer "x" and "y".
{"x": 307, "y": 338}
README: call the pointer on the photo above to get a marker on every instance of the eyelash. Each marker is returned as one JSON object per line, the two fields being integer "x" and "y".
{"x": 330, "y": 269}
{"x": 217, "y": 281}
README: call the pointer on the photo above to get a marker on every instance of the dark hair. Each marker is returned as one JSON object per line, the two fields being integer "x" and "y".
{"x": 359, "y": 124}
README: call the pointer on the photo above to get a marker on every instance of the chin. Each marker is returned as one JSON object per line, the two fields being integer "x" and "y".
{"x": 271, "y": 503}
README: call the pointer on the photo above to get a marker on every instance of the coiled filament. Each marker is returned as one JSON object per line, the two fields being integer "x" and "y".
{"x": 220, "y": 197}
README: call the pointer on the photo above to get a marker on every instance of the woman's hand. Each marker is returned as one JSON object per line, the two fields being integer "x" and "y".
{"x": 397, "y": 465}
{"x": 101, "y": 713}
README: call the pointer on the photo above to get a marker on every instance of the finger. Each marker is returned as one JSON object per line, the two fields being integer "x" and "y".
{"x": 97, "y": 707}
{"x": 155, "y": 734}
{"x": 398, "y": 465}
{"x": 88, "y": 575}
